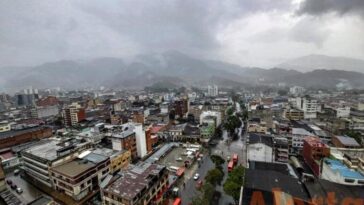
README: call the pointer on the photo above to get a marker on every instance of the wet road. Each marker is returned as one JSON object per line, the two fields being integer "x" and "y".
{"x": 30, "y": 192}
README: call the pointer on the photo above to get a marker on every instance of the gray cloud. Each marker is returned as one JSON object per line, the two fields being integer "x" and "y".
{"x": 318, "y": 7}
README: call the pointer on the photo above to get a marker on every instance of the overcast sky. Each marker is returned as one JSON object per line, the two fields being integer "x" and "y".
{"x": 246, "y": 32}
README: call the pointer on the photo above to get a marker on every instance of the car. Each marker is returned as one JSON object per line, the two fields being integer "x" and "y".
{"x": 8, "y": 181}
{"x": 197, "y": 176}
{"x": 19, "y": 190}
{"x": 199, "y": 184}
{"x": 228, "y": 158}
{"x": 13, "y": 186}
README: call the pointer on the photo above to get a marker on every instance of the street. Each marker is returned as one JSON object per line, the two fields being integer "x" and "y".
{"x": 226, "y": 148}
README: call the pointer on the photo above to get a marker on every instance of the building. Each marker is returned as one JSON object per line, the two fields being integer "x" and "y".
{"x": 260, "y": 148}
{"x": 257, "y": 126}
{"x": 45, "y": 111}
{"x": 73, "y": 114}
{"x": 181, "y": 107}
{"x": 313, "y": 153}
{"x": 41, "y": 157}
{"x": 212, "y": 90}
{"x": 281, "y": 149}
{"x": 345, "y": 142}
{"x": 125, "y": 140}
{"x": 293, "y": 114}
{"x": 19, "y": 136}
{"x": 81, "y": 176}
{"x": 309, "y": 106}
{"x": 4, "y": 127}
{"x": 141, "y": 184}
{"x": 296, "y": 90}
{"x": 206, "y": 117}
{"x": 118, "y": 159}
{"x": 335, "y": 171}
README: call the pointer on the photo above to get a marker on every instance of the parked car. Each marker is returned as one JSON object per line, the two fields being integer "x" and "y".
{"x": 199, "y": 184}
{"x": 19, "y": 190}
{"x": 197, "y": 176}
{"x": 14, "y": 186}
{"x": 8, "y": 181}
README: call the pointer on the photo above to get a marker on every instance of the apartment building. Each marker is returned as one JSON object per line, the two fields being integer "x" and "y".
{"x": 118, "y": 159}
{"x": 41, "y": 157}
{"x": 141, "y": 184}
{"x": 125, "y": 140}
{"x": 73, "y": 114}
{"x": 80, "y": 177}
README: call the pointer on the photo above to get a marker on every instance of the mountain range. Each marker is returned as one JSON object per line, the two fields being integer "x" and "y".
{"x": 179, "y": 69}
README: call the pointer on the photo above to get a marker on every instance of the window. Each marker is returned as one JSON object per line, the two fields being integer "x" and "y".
{"x": 349, "y": 180}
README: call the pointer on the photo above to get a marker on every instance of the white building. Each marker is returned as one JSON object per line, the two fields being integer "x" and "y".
{"x": 141, "y": 143}
{"x": 309, "y": 106}
{"x": 212, "y": 90}
{"x": 45, "y": 111}
{"x": 164, "y": 108}
{"x": 208, "y": 114}
{"x": 260, "y": 148}
{"x": 343, "y": 112}
{"x": 296, "y": 90}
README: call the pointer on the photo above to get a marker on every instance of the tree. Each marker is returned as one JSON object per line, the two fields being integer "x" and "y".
{"x": 218, "y": 161}
{"x": 234, "y": 182}
{"x": 230, "y": 111}
{"x": 232, "y": 123}
{"x": 214, "y": 176}
{"x": 207, "y": 192}
{"x": 356, "y": 135}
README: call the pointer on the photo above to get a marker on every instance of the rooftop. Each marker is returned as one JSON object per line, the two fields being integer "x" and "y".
{"x": 13, "y": 133}
{"x": 338, "y": 166}
{"x": 348, "y": 141}
{"x": 134, "y": 180}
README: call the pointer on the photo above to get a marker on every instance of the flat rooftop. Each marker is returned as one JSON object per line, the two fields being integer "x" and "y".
{"x": 134, "y": 180}
{"x": 13, "y": 133}
{"x": 345, "y": 171}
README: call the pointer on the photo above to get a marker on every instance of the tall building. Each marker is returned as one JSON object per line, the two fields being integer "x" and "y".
{"x": 73, "y": 114}
{"x": 212, "y": 90}
{"x": 309, "y": 106}
{"x": 181, "y": 107}
{"x": 313, "y": 153}
{"x": 297, "y": 90}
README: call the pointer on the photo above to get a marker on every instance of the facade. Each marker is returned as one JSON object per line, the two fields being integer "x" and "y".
{"x": 4, "y": 127}
{"x": 181, "y": 107}
{"x": 294, "y": 114}
{"x": 212, "y": 90}
{"x": 80, "y": 177}
{"x": 281, "y": 149}
{"x": 73, "y": 114}
{"x": 40, "y": 158}
{"x": 309, "y": 106}
{"x": 125, "y": 141}
{"x": 118, "y": 159}
{"x": 141, "y": 184}
{"x": 296, "y": 90}
{"x": 45, "y": 111}
{"x": 313, "y": 153}
{"x": 209, "y": 115}
{"x": 16, "y": 137}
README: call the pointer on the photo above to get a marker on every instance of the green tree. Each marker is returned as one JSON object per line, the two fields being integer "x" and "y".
{"x": 232, "y": 123}
{"x": 230, "y": 111}
{"x": 234, "y": 182}
{"x": 207, "y": 192}
{"x": 214, "y": 176}
{"x": 218, "y": 161}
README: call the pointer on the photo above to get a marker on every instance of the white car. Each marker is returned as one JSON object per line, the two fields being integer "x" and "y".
{"x": 197, "y": 176}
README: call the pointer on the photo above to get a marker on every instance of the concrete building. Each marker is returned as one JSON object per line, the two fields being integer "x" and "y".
{"x": 181, "y": 107}
{"x": 345, "y": 142}
{"x": 26, "y": 134}
{"x": 260, "y": 148}
{"x": 4, "y": 127}
{"x": 40, "y": 158}
{"x": 118, "y": 159}
{"x": 335, "y": 171}
{"x": 125, "y": 140}
{"x": 208, "y": 114}
{"x": 141, "y": 184}
{"x": 45, "y": 111}
{"x": 293, "y": 114}
{"x": 73, "y": 114}
{"x": 281, "y": 149}
{"x": 81, "y": 176}
{"x": 296, "y": 90}
{"x": 313, "y": 153}
{"x": 309, "y": 106}
{"x": 212, "y": 90}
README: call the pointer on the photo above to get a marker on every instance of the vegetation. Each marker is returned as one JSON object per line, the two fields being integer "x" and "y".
{"x": 218, "y": 161}
{"x": 234, "y": 182}
{"x": 207, "y": 192}
{"x": 214, "y": 176}
{"x": 232, "y": 123}
{"x": 230, "y": 111}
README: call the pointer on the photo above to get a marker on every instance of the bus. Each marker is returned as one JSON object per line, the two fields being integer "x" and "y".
{"x": 178, "y": 201}
{"x": 230, "y": 166}
{"x": 235, "y": 158}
